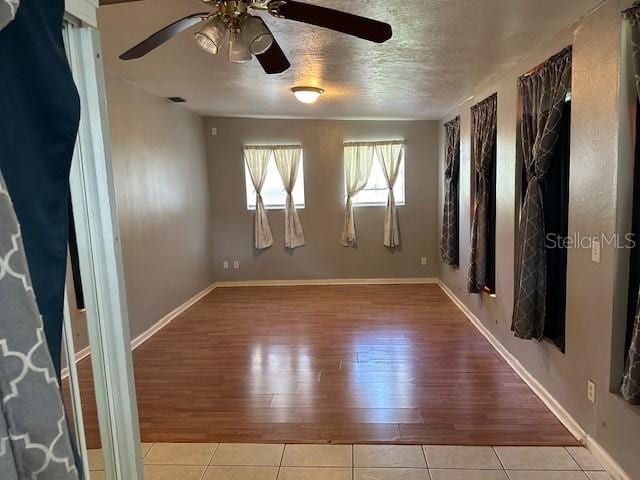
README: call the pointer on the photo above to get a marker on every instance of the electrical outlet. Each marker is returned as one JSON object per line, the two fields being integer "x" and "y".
{"x": 595, "y": 251}
{"x": 236, "y": 264}
{"x": 225, "y": 265}
{"x": 591, "y": 391}
{"x": 423, "y": 261}
{"x": 214, "y": 131}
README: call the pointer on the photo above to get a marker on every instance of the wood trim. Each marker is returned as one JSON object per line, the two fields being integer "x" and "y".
{"x": 169, "y": 317}
{"x": 80, "y": 355}
{"x": 83, "y": 10}
{"x": 547, "y": 398}
{"x": 329, "y": 281}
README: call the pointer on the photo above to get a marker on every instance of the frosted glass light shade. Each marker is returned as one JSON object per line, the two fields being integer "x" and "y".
{"x": 211, "y": 37}
{"x": 256, "y": 35}
{"x": 307, "y": 94}
{"x": 238, "y": 48}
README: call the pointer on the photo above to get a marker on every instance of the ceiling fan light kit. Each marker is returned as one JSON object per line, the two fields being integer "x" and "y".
{"x": 249, "y": 36}
{"x": 257, "y": 35}
{"x": 307, "y": 94}
{"x": 211, "y": 37}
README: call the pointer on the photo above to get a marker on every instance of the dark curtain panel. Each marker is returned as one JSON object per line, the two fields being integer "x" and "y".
{"x": 555, "y": 191}
{"x": 490, "y": 284}
{"x": 483, "y": 131}
{"x": 631, "y": 382}
{"x": 39, "y": 113}
{"x": 634, "y": 259}
{"x": 449, "y": 242}
{"x": 543, "y": 94}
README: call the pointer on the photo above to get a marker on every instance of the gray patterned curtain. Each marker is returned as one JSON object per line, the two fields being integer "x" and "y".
{"x": 483, "y": 131}
{"x": 631, "y": 382}
{"x": 543, "y": 94}
{"x": 449, "y": 239}
{"x": 34, "y": 439}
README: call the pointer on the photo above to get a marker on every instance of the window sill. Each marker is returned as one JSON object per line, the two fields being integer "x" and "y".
{"x": 275, "y": 207}
{"x": 376, "y": 204}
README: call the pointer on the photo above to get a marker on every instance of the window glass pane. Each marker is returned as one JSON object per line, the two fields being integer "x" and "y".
{"x": 375, "y": 193}
{"x": 273, "y": 194}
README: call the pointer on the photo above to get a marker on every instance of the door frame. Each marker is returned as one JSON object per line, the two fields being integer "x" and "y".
{"x": 100, "y": 258}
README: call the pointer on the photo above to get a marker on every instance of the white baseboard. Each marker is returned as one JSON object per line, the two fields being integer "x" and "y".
{"x": 329, "y": 281}
{"x": 168, "y": 318}
{"x": 146, "y": 335}
{"x": 614, "y": 469}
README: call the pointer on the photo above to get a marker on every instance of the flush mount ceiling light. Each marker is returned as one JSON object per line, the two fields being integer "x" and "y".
{"x": 230, "y": 23}
{"x": 307, "y": 94}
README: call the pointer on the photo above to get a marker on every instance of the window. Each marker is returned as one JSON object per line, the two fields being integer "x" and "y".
{"x": 376, "y": 192}
{"x": 490, "y": 286}
{"x": 484, "y": 152}
{"x": 273, "y": 194}
{"x": 634, "y": 266}
{"x": 555, "y": 194}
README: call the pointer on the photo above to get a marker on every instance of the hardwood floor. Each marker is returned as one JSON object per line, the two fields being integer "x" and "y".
{"x": 334, "y": 364}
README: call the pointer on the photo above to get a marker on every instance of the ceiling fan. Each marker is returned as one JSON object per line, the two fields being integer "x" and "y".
{"x": 247, "y": 35}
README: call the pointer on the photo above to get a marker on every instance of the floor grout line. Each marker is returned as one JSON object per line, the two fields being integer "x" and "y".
{"x": 281, "y": 459}
{"x": 428, "y": 468}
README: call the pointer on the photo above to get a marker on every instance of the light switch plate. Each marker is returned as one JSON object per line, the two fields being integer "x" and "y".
{"x": 214, "y": 131}
{"x": 595, "y": 251}
{"x": 236, "y": 264}
{"x": 225, "y": 265}
{"x": 423, "y": 261}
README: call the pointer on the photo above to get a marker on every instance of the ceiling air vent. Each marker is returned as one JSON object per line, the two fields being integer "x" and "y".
{"x": 176, "y": 99}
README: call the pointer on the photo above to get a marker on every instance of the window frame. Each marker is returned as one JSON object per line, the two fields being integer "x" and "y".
{"x": 299, "y": 188}
{"x": 400, "y": 182}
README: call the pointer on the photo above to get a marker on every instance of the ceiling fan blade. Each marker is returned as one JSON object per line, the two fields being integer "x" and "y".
{"x": 274, "y": 60}
{"x": 348, "y": 23}
{"x": 162, "y": 36}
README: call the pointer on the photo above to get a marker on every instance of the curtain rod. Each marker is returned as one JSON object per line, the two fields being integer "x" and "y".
{"x": 537, "y": 68}
{"x": 491, "y": 98}
{"x": 364, "y": 144}
{"x": 453, "y": 121}
{"x": 271, "y": 147}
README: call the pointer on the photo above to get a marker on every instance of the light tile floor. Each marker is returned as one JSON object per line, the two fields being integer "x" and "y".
{"x": 212, "y": 461}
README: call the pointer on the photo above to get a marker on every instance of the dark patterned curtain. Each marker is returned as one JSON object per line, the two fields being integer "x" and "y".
{"x": 631, "y": 382}
{"x": 543, "y": 94}
{"x": 449, "y": 239}
{"x": 34, "y": 438}
{"x": 483, "y": 130}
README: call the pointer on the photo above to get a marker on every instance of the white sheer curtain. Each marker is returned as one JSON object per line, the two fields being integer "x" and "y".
{"x": 257, "y": 162}
{"x": 358, "y": 159}
{"x": 390, "y": 155}
{"x": 288, "y": 162}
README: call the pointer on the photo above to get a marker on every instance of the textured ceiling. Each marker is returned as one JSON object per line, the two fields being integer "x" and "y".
{"x": 440, "y": 52}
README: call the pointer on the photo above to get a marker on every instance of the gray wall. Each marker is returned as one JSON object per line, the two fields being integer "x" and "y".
{"x": 322, "y": 219}
{"x": 599, "y": 137}
{"x": 160, "y": 175}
